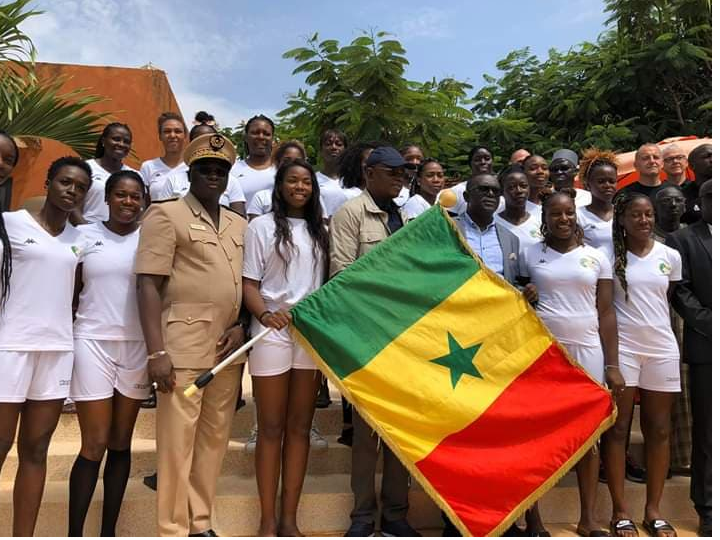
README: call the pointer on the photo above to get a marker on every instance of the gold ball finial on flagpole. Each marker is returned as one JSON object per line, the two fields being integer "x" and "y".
{"x": 447, "y": 198}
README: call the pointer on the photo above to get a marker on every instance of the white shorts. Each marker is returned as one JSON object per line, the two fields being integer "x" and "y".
{"x": 650, "y": 372}
{"x": 102, "y": 366}
{"x": 590, "y": 358}
{"x": 34, "y": 375}
{"x": 278, "y": 353}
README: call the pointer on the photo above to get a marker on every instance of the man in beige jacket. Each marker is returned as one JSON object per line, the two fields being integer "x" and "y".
{"x": 356, "y": 228}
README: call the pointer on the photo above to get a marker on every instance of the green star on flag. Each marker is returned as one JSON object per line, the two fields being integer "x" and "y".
{"x": 459, "y": 361}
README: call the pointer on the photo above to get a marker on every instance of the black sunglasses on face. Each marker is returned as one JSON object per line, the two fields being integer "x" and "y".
{"x": 485, "y": 190}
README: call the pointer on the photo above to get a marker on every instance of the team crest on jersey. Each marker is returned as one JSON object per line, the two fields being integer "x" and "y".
{"x": 75, "y": 250}
{"x": 588, "y": 262}
{"x": 30, "y": 241}
{"x": 535, "y": 233}
{"x": 664, "y": 268}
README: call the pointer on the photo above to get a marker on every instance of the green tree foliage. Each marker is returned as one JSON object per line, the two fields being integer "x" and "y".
{"x": 33, "y": 109}
{"x": 645, "y": 79}
{"x": 361, "y": 89}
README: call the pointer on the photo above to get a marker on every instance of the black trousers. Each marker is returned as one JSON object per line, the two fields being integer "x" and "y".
{"x": 701, "y": 461}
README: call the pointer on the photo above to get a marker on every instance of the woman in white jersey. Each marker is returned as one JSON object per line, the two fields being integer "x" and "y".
{"x": 173, "y": 136}
{"x": 256, "y": 172}
{"x": 112, "y": 148}
{"x": 598, "y": 172}
{"x": 646, "y": 272}
{"x": 285, "y": 152}
{"x": 285, "y": 260}
{"x": 574, "y": 284}
{"x": 514, "y": 216}
{"x": 36, "y": 346}
{"x": 9, "y": 156}
{"x": 430, "y": 180}
{"x": 538, "y": 175}
{"x": 110, "y": 377}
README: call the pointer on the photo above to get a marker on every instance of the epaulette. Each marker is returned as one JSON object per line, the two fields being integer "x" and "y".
{"x": 165, "y": 200}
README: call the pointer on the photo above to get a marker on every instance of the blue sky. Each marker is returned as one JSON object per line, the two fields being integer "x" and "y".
{"x": 226, "y": 56}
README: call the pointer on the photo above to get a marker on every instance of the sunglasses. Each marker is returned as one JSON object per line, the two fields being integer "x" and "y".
{"x": 397, "y": 172}
{"x": 485, "y": 190}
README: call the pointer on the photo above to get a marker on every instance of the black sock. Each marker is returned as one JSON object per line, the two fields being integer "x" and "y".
{"x": 115, "y": 478}
{"x": 83, "y": 478}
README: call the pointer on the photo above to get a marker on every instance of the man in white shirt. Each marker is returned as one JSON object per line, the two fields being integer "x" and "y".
{"x": 332, "y": 144}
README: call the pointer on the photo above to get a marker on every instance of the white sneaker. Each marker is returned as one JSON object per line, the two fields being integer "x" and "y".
{"x": 317, "y": 440}
{"x": 252, "y": 440}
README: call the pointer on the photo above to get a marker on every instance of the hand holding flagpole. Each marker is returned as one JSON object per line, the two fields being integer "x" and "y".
{"x": 206, "y": 377}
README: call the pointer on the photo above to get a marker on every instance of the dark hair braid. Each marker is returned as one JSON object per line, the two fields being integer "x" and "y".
{"x": 313, "y": 215}
{"x": 351, "y": 170}
{"x": 621, "y": 202}
{"x": 545, "y": 198}
{"x": 6, "y": 267}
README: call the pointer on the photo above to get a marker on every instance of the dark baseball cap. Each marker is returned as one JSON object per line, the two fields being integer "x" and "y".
{"x": 385, "y": 155}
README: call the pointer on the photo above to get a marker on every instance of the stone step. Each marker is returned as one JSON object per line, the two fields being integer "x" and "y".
{"x": 328, "y": 421}
{"x": 324, "y": 506}
{"x": 335, "y": 459}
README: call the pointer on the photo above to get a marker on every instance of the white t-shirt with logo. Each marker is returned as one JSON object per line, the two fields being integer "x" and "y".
{"x": 108, "y": 303}
{"x": 281, "y": 287}
{"x": 96, "y": 209}
{"x": 38, "y": 313}
{"x": 262, "y": 204}
{"x": 177, "y": 184}
{"x": 528, "y": 232}
{"x": 597, "y": 231}
{"x": 333, "y": 196}
{"x": 253, "y": 180}
{"x": 415, "y": 206}
{"x": 154, "y": 173}
{"x": 644, "y": 318}
{"x": 567, "y": 290}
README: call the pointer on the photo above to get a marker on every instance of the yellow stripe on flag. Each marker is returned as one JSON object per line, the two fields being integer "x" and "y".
{"x": 479, "y": 312}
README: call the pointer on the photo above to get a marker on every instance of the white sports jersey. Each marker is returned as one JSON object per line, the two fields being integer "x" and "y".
{"x": 415, "y": 206}
{"x": 333, "y": 196}
{"x": 96, "y": 209}
{"x": 597, "y": 231}
{"x": 154, "y": 173}
{"x": 567, "y": 290}
{"x": 38, "y": 313}
{"x": 281, "y": 287}
{"x": 644, "y": 318}
{"x": 253, "y": 180}
{"x": 528, "y": 232}
{"x": 108, "y": 302}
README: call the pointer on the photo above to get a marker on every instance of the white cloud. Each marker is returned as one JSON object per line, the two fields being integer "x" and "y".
{"x": 426, "y": 22}
{"x": 184, "y": 41}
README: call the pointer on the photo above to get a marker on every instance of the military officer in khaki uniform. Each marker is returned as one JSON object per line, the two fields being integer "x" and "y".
{"x": 189, "y": 266}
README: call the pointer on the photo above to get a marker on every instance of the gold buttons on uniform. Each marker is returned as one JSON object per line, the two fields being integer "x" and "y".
{"x": 189, "y": 319}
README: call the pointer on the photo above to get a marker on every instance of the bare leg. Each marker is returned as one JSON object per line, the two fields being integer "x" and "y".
{"x": 304, "y": 385}
{"x": 38, "y": 421}
{"x": 588, "y": 469}
{"x": 9, "y": 414}
{"x": 613, "y": 448}
{"x": 271, "y": 398}
{"x": 655, "y": 410}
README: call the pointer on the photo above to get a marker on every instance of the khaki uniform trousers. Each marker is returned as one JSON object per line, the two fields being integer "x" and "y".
{"x": 192, "y": 437}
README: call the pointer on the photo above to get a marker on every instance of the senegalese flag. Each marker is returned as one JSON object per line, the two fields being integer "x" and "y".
{"x": 453, "y": 369}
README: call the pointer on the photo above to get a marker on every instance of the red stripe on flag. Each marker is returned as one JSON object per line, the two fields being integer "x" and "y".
{"x": 529, "y": 432}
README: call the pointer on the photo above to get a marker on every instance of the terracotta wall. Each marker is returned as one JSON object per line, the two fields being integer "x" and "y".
{"x": 135, "y": 96}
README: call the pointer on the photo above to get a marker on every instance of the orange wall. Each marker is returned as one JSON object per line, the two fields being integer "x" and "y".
{"x": 135, "y": 97}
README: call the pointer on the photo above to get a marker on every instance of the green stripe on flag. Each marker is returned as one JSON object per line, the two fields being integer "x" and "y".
{"x": 366, "y": 306}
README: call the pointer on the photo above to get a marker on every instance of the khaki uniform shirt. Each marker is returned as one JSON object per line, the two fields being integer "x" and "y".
{"x": 357, "y": 227}
{"x": 203, "y": 290}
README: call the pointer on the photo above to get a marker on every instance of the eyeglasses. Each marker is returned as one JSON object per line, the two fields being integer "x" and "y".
{"x": 670, "y": 159}
{"x": 397, "y": 172}
{"x": 485, "y": 190}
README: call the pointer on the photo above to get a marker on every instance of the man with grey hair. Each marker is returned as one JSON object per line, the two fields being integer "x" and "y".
{"x": 647, "y": 163}
{"x": 675, "y": 164}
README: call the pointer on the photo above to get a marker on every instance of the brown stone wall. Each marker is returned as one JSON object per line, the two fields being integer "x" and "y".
{"x": 134, "y": 96}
